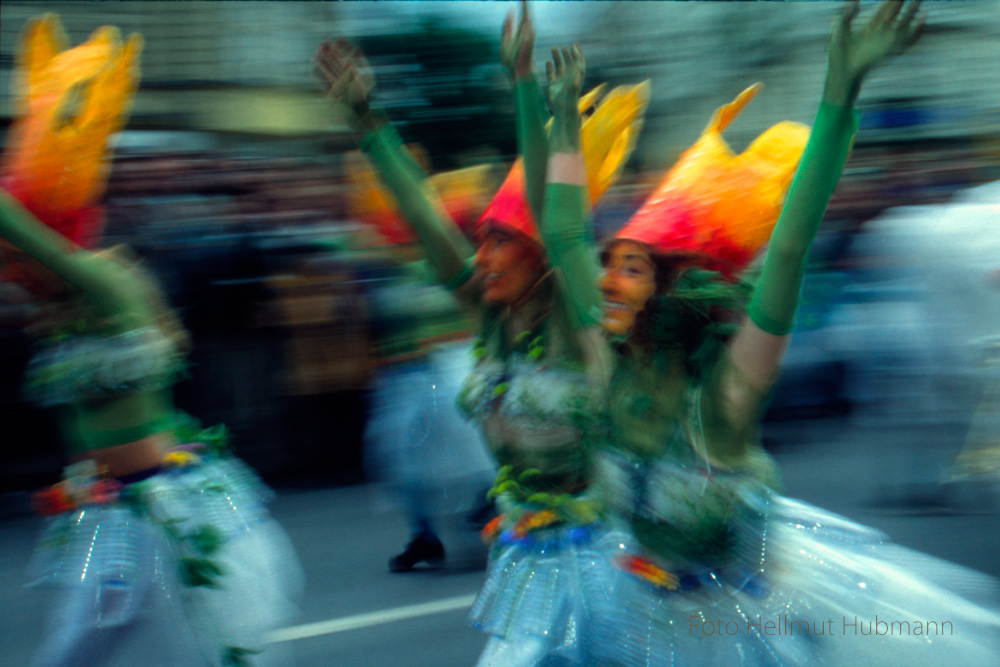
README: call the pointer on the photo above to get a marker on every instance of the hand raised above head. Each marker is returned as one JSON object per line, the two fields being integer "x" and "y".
{"x": 345, "y": 75}
{"x": 517, "y": 47}
{"x": 565, "y": 75}
{"x": 855, "y": 50}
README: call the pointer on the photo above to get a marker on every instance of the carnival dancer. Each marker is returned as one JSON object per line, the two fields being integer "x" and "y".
{"x": 159, "y": 549}
{"x": 541, "y": 363}
{"x": 719, "y": 569}
{"x": 417, "y": 445}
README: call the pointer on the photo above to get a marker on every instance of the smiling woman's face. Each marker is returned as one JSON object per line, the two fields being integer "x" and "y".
{"x": 510, "y": 264}
{"x": 628, "y": 281}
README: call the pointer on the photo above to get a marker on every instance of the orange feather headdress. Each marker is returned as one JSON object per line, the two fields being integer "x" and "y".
{"x": 70, "y": 101}
{"x": 718, "y": 206}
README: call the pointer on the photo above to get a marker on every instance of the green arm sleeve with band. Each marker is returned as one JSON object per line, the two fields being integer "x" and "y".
{"x": 532, "y": 139}
{"x": 108, "y": 287}
{"x": 777, "y": 295}
{"x": 105, "y": 284}
{"x": 450, "y": 254}
{"x": 567, "y": 207}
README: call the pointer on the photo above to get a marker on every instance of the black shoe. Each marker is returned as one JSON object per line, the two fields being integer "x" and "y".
{"x": 422, "y": 549}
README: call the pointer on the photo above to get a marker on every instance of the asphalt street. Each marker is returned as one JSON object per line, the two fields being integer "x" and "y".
{"x": 357, "y": 614}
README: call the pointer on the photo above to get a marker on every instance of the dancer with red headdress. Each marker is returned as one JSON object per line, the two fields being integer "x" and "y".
{"x": 158, "y": 547}
{"x": 541, "y": 365}
{"x": 716, "y": 567}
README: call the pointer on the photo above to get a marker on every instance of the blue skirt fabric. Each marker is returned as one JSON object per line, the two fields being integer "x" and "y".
{"x": 186, "y": 568}
{"x": 828, "y": 592}
{"x": 546, "y": 595}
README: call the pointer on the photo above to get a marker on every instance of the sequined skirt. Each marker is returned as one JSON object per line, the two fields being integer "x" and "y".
{"x": 185, "y": 567}
{"x": 828, "y": 592}
{"x": 549, "y": 589}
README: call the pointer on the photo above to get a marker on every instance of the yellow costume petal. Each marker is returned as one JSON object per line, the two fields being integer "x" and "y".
{"x": 70, "y": 102}
{"x": 608, "y": 135}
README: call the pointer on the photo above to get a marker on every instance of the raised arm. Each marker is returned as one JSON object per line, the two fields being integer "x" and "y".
{"x": 348, "y": 79}
{"x": 567, "y": 201}
{"x": 757, "y": 350}
{"x": 565, "y": 212}
{"x": 106, "y": 285}
{"x": 517, "y": 54}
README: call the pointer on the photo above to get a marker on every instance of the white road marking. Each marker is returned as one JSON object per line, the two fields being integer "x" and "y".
{"x": 336, "y": 625}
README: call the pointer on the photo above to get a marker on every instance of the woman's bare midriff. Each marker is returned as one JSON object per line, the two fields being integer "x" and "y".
{"x": 131, "y": 457}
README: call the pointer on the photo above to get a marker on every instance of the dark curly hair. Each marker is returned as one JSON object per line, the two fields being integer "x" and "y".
{"x": 693, "y": 309}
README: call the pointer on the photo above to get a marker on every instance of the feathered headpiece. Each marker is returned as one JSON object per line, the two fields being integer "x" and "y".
{"x": 718, "y": 206}
{"x": 69, "y": 102}
{"x": 607, "y": 138}
{"x": 607, "y": 135}
{"x": 463, "y": 193}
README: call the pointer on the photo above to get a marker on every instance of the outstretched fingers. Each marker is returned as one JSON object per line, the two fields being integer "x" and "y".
{"x": 525, "y": 17}
{"x": 911, "y": 26}
{"x": 886, "y": 13}
{"x": 507, "y": 32}
{"x": 557, "y": 62}
{"x": 847, "y": 16}
{"x": 578, "y": 57}
{"x": 911, "y": 11}
{"x": 323, "y": 68}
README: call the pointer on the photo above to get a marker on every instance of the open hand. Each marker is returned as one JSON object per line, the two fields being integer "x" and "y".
{"x": 517, "y": 46}
{"x": 854, "y": 51}
{"x": 345, "y": 75}
{"x": 565, "y": 74}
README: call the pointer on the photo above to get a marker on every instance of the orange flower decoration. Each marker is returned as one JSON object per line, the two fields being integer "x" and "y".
{"x": 52, "y": 500}
{"x": 646, "y": 569}
{"x": 491, "y": 531}
{"x": 532, "y": 520}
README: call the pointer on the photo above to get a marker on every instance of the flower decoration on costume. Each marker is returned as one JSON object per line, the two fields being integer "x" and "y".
{"x": 180, "y": 459}
{"x": 492, "y": 530}
{"x": 52, "y": 500}
{"x": 649, "y": 571}
{"x": 82, "y": 485}
{"x": 70, "y": 101}
{"x": 533, "y": 521}
{"x": 535, "y": 510}
{"x": 718, "y": 206}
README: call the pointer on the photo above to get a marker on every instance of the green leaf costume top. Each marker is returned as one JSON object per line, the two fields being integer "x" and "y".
{"x": 111, "y": 375}
{"x": 681, "y": 442}
{"x": 530, "y": 389}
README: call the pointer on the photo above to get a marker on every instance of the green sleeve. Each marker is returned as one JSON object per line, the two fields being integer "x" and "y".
{"x": 106, "y": 285}
{"x": 532, "y": 139}
{"x": 567, "y": 207}
{"x": 449, "y": 252}
{"x": 776, "y": 297}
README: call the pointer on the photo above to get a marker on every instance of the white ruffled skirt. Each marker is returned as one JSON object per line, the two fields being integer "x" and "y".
{"x": 186, "y": 568}
{"x": 827, "y": 592}
{"x": 545, "y": 596}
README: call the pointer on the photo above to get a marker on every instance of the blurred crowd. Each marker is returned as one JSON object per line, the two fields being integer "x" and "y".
{"x": 275, "y": 278}
{"x": 244, "y": 211}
